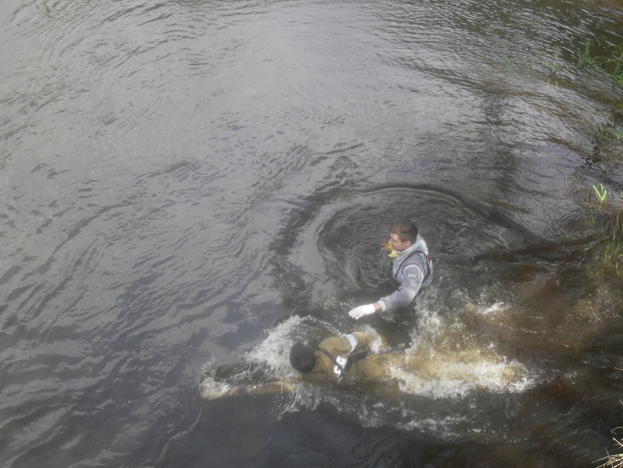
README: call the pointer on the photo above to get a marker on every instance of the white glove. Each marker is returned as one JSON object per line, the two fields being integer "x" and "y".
{"x": 362, "y": 311}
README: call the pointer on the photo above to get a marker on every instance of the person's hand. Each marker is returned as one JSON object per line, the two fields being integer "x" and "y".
{"x": 362, "y": 311}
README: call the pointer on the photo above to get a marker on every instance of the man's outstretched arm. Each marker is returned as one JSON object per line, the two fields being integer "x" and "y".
{"x": 410, "y": 286}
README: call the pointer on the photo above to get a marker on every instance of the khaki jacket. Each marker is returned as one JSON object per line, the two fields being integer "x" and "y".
{"x": 369, "y": 368}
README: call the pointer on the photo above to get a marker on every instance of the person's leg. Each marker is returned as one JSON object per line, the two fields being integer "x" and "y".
{"x": 392, "y": 328}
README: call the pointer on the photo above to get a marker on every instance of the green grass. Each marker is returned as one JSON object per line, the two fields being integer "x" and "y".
{"x": 553, "y": 67}
{"x": 606, "y": 217}
{"x": 616, "y": 133}
{"x": 585, "y": 57}
{"x": 608, "y": 61}
{"x": 601, "y": 193}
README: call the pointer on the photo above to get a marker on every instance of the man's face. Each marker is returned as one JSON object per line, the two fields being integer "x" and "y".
{"x": 397, "y": 244}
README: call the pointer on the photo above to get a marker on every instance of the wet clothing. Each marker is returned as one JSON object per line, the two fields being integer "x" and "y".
{"x": 369, "y": 368}
{"x": 413, "y": 271}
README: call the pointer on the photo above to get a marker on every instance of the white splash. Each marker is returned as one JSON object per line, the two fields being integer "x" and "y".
{"x": 445, "y": 359}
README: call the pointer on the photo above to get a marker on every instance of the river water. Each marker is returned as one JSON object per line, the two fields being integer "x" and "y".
{"x": 194, "y": 183}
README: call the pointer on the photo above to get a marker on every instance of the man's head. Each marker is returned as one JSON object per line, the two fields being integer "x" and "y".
{"x": 302, "y": 357}
{"x": 402, "y": 234}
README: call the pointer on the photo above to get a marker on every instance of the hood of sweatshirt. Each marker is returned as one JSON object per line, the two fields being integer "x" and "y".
{"x": 420, "y": 244}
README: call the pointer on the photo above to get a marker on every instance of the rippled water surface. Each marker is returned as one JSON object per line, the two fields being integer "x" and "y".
{"x": 189, "y": 184}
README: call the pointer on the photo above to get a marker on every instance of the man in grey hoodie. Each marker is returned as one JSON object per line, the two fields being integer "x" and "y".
{"x": 411, "y": 270}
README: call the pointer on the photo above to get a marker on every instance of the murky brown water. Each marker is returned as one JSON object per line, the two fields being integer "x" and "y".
{"x": 193, "y": 183}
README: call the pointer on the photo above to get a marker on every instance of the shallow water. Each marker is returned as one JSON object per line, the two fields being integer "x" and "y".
{"x": 193, "y": 183}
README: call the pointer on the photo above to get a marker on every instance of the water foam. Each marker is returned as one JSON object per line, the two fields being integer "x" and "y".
{"x": 448, "y": 360}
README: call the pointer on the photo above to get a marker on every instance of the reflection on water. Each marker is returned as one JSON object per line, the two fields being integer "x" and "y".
{"x": 199, "y": 182}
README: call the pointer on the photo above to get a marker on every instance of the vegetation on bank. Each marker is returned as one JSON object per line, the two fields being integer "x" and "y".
{"x": 609, "y": 62}
{"x": 613, "y": 461}
{"x": 606, "y": 59}
{"x": 607, "y": 208}
{"x": 606, "y": 218}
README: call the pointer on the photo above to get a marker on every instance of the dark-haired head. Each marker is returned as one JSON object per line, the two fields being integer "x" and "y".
{"x": 302, "y": 357}
{"x": 405, "y": 229}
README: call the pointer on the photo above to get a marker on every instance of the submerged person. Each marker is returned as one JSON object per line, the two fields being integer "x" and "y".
{"x": 412, "y": 269}
{"x": 341, "y": 358}
{"x": 351, "y": 359}
{"x": 344, "y": 359}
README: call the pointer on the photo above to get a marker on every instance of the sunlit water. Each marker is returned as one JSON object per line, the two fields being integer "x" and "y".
{"x": 191, "y": 184}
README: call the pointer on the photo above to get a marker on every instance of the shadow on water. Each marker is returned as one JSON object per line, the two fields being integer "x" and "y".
{"x": 338, "y": 233}
{"x": 351, "y": 225}
{"x": 324, "y": 437}
{"x": 330, "y": 437}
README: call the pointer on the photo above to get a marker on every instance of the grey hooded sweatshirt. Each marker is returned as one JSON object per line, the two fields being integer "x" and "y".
{"x": 410, "y": 273}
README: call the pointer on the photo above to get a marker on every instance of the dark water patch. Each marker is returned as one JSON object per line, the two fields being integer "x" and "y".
{"x": 11, "y": 272}
{"x": 452, "y": 223}
{"x": 329, "y": 436}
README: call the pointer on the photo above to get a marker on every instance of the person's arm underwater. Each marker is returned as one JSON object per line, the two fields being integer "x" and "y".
{"x": 277, "y": 386}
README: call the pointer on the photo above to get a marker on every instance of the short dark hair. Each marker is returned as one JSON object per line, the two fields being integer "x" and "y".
{"x": 406, "y": 230}
{"x": 302, "y": 357}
